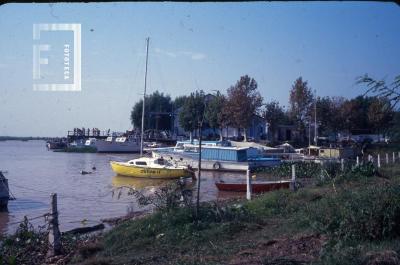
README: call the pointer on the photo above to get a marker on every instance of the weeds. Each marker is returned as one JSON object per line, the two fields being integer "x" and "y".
{"x": 26, "y": 246}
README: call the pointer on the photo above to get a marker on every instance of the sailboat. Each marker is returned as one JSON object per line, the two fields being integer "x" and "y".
{"x": 145, "y": 167}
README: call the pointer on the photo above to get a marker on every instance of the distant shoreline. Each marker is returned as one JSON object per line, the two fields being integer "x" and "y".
{"x": 21, "y": 138}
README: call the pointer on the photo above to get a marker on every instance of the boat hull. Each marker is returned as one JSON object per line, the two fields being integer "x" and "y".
{"x": 157, "y": 173}
{"x": 256, "y": 187}
{"x": 115, "y": 147}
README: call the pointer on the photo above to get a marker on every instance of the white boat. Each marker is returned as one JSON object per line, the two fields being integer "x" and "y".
{"x": 120, "y": 144}
{"x": 91, "y": 142}
{"x": 214, "y": 157}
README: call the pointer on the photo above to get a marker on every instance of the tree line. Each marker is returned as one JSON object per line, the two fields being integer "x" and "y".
{"x": 368, "y": 113}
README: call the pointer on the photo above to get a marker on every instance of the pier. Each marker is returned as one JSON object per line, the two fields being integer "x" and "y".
{"x": 79, "y": 133}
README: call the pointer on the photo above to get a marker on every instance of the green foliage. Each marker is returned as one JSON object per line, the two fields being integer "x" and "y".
{"x": 300, "y": 101}
{"x": 167, "y": 197}
{"x": 158, "y": 112}
{"x": 192, "y": 112}
{"x": 275, "y": 115}
{"x": 179, "y": 227}
{"x": 371, "y": 114}
{"x": 379, "y": 88}
{"x": 370, "y": 213}
{"x": 362, "y": 171}
{"x": 329, "y": 115}
{"x": 24, "y": 246}
{"x": 303, "y": 170}
{"x": 214, "y": 112}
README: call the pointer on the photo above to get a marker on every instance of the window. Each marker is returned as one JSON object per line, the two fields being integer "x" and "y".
{"x": 141, "y": 163}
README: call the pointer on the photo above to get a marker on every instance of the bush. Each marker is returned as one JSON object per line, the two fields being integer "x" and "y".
{"x": 372, "y": 213}
{"x": 362, "y": 171}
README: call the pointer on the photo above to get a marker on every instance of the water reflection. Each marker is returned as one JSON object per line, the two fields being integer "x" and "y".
{"x": 119, "y": 181}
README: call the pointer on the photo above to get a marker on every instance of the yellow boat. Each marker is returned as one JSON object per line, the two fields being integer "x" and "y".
{"x": 146, "y": 167}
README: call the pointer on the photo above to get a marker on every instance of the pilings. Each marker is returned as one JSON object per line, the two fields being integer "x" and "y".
{"x": 248, "y": 182}
{"x": 293, "y": 182}
{"x": 54, "y": 231}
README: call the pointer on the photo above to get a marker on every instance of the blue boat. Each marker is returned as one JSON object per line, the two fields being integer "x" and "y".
{"x": 217, "y": 157}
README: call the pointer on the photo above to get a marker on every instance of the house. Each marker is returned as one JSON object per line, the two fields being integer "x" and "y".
{"x": 256, "y": 131}
{"x": 283, "y": 133}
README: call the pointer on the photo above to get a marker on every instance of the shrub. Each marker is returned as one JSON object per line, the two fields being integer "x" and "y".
{"x": 372, "y": 213}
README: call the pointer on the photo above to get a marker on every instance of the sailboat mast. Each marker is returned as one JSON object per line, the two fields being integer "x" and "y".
{"x": 144, "y": 96}
{"x": 315, "y": 119}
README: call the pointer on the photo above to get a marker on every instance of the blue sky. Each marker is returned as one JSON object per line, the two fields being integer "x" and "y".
{"x": 192, "y": 46}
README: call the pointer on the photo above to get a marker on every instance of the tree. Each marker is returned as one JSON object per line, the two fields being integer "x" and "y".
{"x": 214, "y": 113}
{"x": 179, "y": 101}
{"x": 329, "y": 118}
{"x": 380, "y": 115}
{"x": 158, "y": 112}
{"x": 300, "y": 101}
{"x": 192, "y": 113}
{"x": 367, "y": 114}
{"x": 243, "y": 102}
{"x": 274, "y": 114}
{"x": 380, "y": 89}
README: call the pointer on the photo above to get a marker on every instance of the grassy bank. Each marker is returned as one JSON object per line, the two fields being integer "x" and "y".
{"x": 352, "y": 218}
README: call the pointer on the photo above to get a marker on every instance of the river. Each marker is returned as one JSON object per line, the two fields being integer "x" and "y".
{"x": 34, "y": 173}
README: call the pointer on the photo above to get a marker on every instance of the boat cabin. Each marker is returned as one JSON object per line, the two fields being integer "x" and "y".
{"x": 148, "y": 162}
{"x": 237, "y": 154}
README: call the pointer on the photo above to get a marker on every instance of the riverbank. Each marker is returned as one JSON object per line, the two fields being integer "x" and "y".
{"x": 351, "y": 218}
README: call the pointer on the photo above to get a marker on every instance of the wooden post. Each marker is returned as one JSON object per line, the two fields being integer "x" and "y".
{"x": 293, "y": 182}
{"x": 379, "y": 160}
{"x": 387, "y": 158}
{"x": 358, "y": 161}
{"x": 342, "y": 164}
{"x": 394, "y": 158}
{"x": 248, "y": 180}
{"x": 54, "y": 231}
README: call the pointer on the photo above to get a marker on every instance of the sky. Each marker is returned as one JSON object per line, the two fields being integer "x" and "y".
{"x": 193, "y": 46}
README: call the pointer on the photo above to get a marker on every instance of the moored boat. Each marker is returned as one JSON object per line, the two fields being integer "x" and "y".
{"x": 56, "y": 144}
{"x": 122, "y": 144}
{"x": 223, "y": 158}
{"x": 257, "y": 187}
{"x": 146, "y": 167}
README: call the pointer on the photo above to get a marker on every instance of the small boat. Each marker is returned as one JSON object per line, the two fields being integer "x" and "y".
{"x": 257, "y": 187}
{"x": 146, "y": 167}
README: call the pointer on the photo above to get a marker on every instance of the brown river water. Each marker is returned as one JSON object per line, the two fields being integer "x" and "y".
{"x": 34, "y": 173}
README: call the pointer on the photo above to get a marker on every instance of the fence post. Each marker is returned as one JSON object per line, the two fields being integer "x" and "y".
{"x": 379, "y": 160}
{"x": 293, "y": 182}
{"x": 387, "y": 158}
{"x": 342, "y": 164}
{"x": 248, "y": 180}
{"x": 54, "y": 231}
{"x": 394, "y": 158}
{"x": 358, "y": 161}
